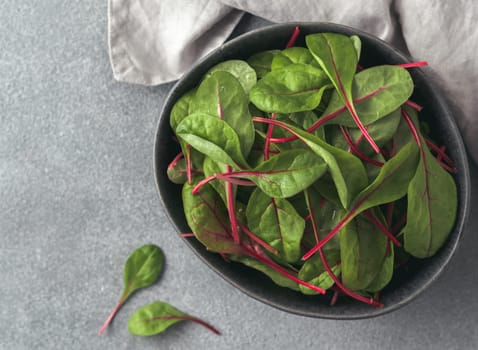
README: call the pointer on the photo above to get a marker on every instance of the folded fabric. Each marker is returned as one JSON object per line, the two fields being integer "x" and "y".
{"x": 155, "y": 41}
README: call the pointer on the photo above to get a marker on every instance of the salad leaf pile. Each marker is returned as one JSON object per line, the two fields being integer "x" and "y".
{"x": 306, "y": 166}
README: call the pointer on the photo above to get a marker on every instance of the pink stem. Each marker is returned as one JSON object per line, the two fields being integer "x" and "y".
{"x": 414, "y": 105}
{"x": 258, "y": 240}
{"x": 267, "y": 144}
{"x": 175, "y": 160}
{"x": 413, "y": 64}
{"x": 344, "y": 289}
{"x": 110, "y": 318}
{"x": 382, "y": 228}
{"x": 231, "y": 208}
{"x": 293, "y": 37}
{"x": 354, "y": 149}
{"x": 188, "y": 164}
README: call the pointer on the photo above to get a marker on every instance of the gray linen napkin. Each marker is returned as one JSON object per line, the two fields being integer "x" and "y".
{"x": 155, "y": 41}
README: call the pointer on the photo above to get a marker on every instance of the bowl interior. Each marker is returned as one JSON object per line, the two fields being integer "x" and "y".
{"x": 406, "y": 284}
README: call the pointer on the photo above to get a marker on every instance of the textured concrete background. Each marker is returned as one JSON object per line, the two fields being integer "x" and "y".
{"x": 77, "y": 195}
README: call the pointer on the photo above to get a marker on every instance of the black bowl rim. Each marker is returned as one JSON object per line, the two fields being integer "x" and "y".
{"x": 459, "y": 225}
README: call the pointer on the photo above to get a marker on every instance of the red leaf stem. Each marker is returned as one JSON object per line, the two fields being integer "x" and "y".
{"x": 231, "y": 208}
{"x": 440, "y": 152}
{"x": 187, "y": 234}
{"x": 382, "y": 228}
{"x": 267, "y": 144}
{"x": 293, "y": 37}
{"x": 188, "y": 164}
{"x": 413, "y": 64}
{"x": 414, "y": 105}
{"x": 110, "y": 317}
{"x": 259, "y": 241}
{"x": 344, "y": 289}
{"x": 355, "y": 150}
{"x": 175, "y": 160}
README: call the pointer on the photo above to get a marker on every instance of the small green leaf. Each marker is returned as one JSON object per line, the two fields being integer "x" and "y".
{"x": 276, "y": 222}
{"x": 221, "y": 95}
{"x": 208, "y": 219}
{"x": 385, "y": 274}
{"x": 275, "y": 276}
{"x": 181, "y": 109}
{"x": 261, "y": 61}
{"x": 432, "y": 206}
{"x": 294, "y": 88}
{"x": 212, "y": 137}
{"x": 177, "y": 173}
{"x": 314, "y": 272}
{"x": 156, "y": 317}
{"x": 142, "y": 269}
{"x": 293, "y": 55}
{"x": 362, "y": 252}
{"x": 287, "y": 173}
{"x": 243, "y": 72}
{"x": 357, "y": 45}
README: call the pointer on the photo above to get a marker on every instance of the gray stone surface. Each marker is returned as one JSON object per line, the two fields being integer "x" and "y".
{"x": 78, "y": 195}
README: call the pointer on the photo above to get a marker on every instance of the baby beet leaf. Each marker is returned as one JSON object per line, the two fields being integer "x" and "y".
{"x": 240, "y": 70}
{"x": 362, "y": 252}
{"x": 261, "y": 62}
{"x": 432, "y": 205}
{"x": 294, "y": 88}
{"x": 285, "y": 174}
{"x": 156, "y": 317}
{"x": 294, "y": 55}
{"x": 221, "y": 95}
{"x": 276, "y": 222}
{"x": 357, "y": 45}
{"x": 347, "y": 171}
{"x": 181, "y": 109}
{"x": 337, "y": 57}
{"x": 379, "y": 91}
{"x": 314, "y": 272}
{"x": 275, "y": 276}
{"x": 212, "y": 137}
{"x": 391, "y": 184}
{"x": 208, "y": 218}
{"x": 386, "y": 272}
{"x": 141, "y": 270}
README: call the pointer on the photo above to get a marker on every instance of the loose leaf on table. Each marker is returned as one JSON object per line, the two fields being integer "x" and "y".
{"x": 287, "y": 173}
{"x": 212, "y": 137}
{"x": 294, "y": 88}
{"x": 240, "y": 70}
{"x": 293, "y": 55}
{"x": 275, "y": 221}
{"x": 142, "y": 269}
{"x": 432, "y": 206}
{"x": 391, "y": 184}
{"x": 207, "y": 217}
{"x": 347, "y": 171}
{"x": 337, "y": 57}
{"x": 156, "y": 317}
{"x": 362, "y": 251}
{"x": 376, "y": 91}
{"x": 261, "y": 62}
{"x": 221, "y": 95}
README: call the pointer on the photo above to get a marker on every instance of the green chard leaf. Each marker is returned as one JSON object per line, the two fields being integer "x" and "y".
{"x": 142, "y": 269}
{"x": 432, "y": 206}
{"x": 287, "y": 173}
{"x": 212, "y": 137}
{"x": 376, "y": 92}
{"x": 261, "y": 61}
{"x": 314, "y": 272}
{"x": 293, "y": 55}
{"x": 242, "y": 71}
{"x": 208, "y": 219}
{"x": 156, "y": 317}
{"x": 275, "y": 221}
{"x": 363, "y": 250}
{"x": 181, "y": 109}
{"x": 347, "y": 171}
{"x": 294, "y": 88}
{"x": 221, "y": 95}
{"x": 385, "y": 274}
{"x": 275, "y": 276}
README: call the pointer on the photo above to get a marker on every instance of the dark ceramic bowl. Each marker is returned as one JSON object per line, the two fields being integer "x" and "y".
{"x": 405, "y": 286}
